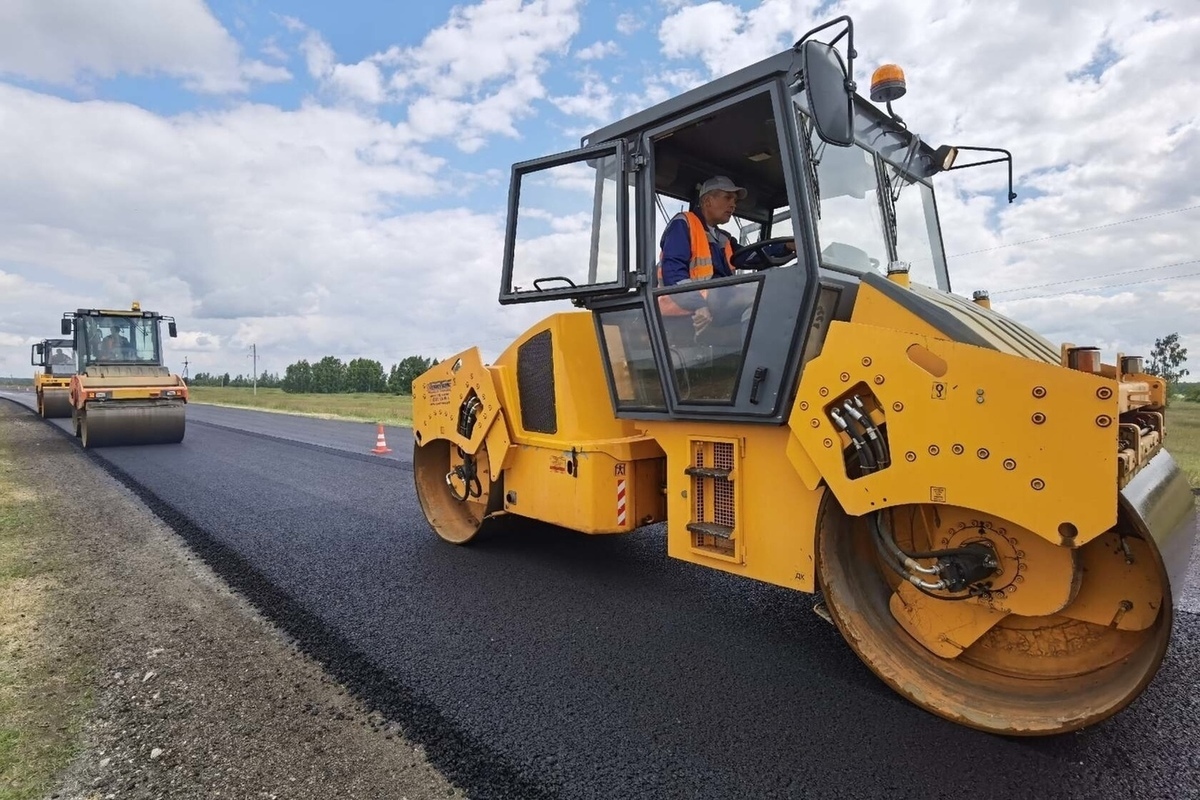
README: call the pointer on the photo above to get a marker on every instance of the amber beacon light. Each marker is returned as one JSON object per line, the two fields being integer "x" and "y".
{"x": 887, "y": 84}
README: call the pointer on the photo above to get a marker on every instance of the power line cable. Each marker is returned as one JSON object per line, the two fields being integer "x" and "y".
{"x": 1102, "y": 275}
{"x": 1109, "y": 286}
{"x": 1073, "y": 232}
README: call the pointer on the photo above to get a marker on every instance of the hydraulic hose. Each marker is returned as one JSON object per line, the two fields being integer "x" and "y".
{"x": 870, "y": 432}
{"x": 910, "y": 564}
{"x": 866, "y": 457}
{"x": 889, "y": 555}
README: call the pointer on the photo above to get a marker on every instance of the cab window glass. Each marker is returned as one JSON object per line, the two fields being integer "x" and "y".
{"x": 627, "y": 349}
{"x": 706, "y": 349}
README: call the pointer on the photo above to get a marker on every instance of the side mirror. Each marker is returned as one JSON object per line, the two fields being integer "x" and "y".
{"x": 66, "y": 326}
{"x": 171, "y": 329}
{"x": 829, "y": 96}
{"x": 35, "y": 356}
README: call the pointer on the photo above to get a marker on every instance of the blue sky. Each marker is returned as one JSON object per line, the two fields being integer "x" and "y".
{"x": 322, "y": 178}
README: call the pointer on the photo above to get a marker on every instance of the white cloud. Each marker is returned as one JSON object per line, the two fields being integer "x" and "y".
{"x": 13, "y": 340}
{"x": 628, "y": 23}
{"x": 662, "y": 85}
{"x": 598, "y": 50}
{"x": 472, "y": 78}
{"x": 488, "y": 41}
{"x": 271, "y": 49}
{"x": 706, "y": 30}
{"x": 594, "y": 100}
{"x": 318, "y": 55}
{"x": 362, "y": 81}
{"x": 481, "y": 71}
{"x": 69, "y": 43}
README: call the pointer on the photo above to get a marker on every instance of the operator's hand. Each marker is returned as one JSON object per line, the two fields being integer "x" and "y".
{"x": 790, "y": 245}
{"x": 701, "y": 319}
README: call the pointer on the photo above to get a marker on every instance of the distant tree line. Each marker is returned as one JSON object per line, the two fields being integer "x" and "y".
{"x": 267, "y": 380}
{"x": 331, "y": 376}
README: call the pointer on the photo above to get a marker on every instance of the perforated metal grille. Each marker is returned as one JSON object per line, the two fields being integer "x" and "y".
{"x": 723, "y": 488}
{"x": 713, "y": 498}
{"x": 535, "y": 384}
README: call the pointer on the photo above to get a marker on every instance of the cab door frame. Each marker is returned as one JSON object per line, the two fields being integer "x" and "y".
{"x": 776, "y": 341}
{"x": 579, "y": 294}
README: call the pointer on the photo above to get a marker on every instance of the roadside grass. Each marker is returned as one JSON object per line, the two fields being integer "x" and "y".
{"x": 1183, "y": 437}
{"x": 388, "y": 409}
{"x": 43, "y": 683}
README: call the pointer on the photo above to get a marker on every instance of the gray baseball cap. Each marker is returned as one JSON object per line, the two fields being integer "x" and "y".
{"x": 721, "y": 183}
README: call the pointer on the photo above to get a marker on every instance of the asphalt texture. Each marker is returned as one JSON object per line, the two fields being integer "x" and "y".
{"x": 541, "y": 663}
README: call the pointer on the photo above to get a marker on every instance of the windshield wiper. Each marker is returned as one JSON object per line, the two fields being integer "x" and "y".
{"x": 814, "y": 160}
{"x": 889, "y": 199}
{"x": 913, "y": 146}
{"x": 662, "y": 209}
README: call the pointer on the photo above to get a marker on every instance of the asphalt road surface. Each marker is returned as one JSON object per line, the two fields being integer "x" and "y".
{"x": 548, "y": 664}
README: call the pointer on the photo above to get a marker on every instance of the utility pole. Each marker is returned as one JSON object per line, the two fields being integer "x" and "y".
{"x": 185, "y": 363}
{"x": 254, "y": 353}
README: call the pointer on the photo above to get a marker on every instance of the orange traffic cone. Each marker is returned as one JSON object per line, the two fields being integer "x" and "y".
{"x": 381, "y": 444}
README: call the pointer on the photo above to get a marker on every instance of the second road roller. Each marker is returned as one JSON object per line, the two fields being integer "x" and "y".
{"x": 52, "y": 385}
{"x": 766, "y": 354}
{"x": 123, "y": 394}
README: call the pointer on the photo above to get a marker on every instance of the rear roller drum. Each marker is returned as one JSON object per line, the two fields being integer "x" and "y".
{"x": 1055, "y": 639}
{"x": 119, "y": 425}
{"x": 456, "y": 490}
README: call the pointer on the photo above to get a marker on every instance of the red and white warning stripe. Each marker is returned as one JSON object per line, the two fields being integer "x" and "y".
{"x": 620, "y": 501}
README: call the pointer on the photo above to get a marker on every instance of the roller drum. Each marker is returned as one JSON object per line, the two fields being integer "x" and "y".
{"x": 1160, "y": 503}
{"x": 1030, "y": 673}
{"x": 132, "y": 423}
{"x": 56, "y": 403}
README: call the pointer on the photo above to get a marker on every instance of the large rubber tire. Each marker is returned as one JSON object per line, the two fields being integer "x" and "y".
{"x": 992, "y": 686}
{"x": 454, "y": 520}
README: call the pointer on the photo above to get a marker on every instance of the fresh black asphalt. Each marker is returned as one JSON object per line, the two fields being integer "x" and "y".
{"x": 541, "y": 663}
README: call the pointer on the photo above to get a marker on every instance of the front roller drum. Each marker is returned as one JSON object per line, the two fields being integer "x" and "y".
{"x": 55, "y": 403}
{"x": 117, "y": 424}
{"x": 1027, "y": 674}
{"x": 456, "y": 490}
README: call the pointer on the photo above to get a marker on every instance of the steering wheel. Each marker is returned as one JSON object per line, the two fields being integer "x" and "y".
{"x": 755, "y": 256}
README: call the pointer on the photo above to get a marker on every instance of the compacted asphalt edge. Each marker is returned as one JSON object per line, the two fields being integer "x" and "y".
{"x": 386, "y": 462}
{"x": 469, "y": 764}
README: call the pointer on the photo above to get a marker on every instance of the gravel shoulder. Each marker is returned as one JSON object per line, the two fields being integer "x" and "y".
{"x": 189, "y": 691}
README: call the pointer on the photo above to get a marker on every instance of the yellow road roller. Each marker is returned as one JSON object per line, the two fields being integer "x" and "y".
{"x": 56, "y": 357}
{"x": 757, "y": 342}
{"x": 123, "y": 394}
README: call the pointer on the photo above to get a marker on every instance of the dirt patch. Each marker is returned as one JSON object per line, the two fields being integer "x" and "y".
{"x": 192, "y": 693}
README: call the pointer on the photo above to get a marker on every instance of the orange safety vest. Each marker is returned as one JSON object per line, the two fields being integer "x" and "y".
{"x": 700, "y": 267}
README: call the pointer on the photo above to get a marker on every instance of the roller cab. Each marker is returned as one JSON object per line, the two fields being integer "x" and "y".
{"x": 991, "y": 520}
{"x": 52, "y": 384}
{"x": 122, "y": 394}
